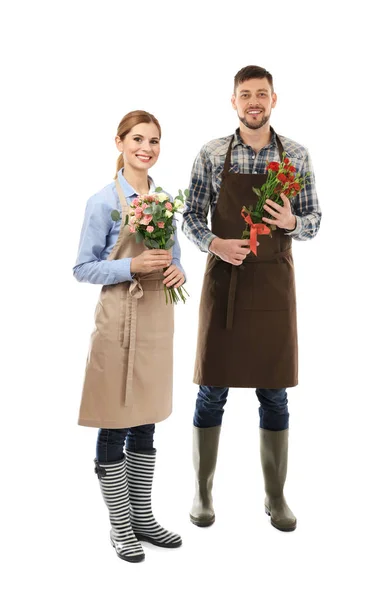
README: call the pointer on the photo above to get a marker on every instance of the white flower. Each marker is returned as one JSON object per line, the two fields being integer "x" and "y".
{"x": 162, "y": 197}
{"x": 168, "y": 213}
{"x": 178, "y": 204}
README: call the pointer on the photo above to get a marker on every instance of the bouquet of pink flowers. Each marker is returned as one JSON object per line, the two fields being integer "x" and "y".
{"x": 151, "y": 219}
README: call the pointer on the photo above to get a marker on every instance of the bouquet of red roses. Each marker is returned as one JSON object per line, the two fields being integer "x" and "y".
{"x": 282, "y": 178}
{"x": 151, "y": 219}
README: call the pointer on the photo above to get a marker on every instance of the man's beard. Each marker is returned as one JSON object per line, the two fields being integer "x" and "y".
{"x": 254, "y": 124}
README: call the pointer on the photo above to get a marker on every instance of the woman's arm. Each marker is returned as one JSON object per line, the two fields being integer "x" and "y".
{"x": 90, "y": 266}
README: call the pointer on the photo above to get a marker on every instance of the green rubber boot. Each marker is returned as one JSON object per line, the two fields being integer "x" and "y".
{"x": 205, "y": 448}
{"x": 274, "y": 459}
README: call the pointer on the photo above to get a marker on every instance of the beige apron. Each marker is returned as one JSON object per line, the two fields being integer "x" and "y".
{"x": 129, "y": 371}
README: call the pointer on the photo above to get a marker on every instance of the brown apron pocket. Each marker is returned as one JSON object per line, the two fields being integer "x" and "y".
{"x": 273, "y": 287}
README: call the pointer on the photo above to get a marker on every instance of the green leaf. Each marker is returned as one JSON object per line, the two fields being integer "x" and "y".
{"x": 148, "y": 210}
{"x": 257, "y": 192}
{"x": 139, "y": 237}
{"x": 158, "y": 212}
{"x": 186, "y": 192}
{"x": 126, "y": 220}
{"x": 115, "y": 215}
{"x": 169, "y": 244}
{"x": 154, "y": 244}
{"x": 180, "y": 193}
{"x": 158, "y": 190}
{"x": 148, "y": 243}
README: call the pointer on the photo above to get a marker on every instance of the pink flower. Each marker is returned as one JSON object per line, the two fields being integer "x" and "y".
{"x": 132, "y": 220}
{"x": 144, "y": 205}
{"x": 132, "y": 229}
{"x": 150, "y": 229}
{"x": 157, "y": 201}
{"x": 138, "y": 211}
{"x": 135, "y": 202}
{"x": 168, "y": 206}
{"x": 146, "y": 220}
{"x": 161, "y": 224}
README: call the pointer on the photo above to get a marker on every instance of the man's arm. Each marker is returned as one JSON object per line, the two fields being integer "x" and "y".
{"x": 194, "y": 224}
{"x": 306, "y": 207}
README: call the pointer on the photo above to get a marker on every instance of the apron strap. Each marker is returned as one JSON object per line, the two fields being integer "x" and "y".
{"x": 227, "y": 159}
{"x": 280, "y": 147}
{"x": 231, "y": 296}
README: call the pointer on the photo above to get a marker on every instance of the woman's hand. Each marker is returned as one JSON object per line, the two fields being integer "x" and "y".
{"x": 174, "y": 277}
{"x": 150, "y": 260}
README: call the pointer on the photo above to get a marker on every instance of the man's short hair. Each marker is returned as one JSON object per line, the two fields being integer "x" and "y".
{"x": 252, "y": 72}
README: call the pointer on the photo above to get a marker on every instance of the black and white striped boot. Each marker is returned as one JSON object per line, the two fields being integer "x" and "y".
{"x": 114, "y": 487}
{"x": 140, "y": 470}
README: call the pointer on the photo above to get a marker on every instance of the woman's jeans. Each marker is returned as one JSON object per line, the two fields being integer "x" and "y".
{"x": 273, "y": 410}
{"x": 110, "y": 443}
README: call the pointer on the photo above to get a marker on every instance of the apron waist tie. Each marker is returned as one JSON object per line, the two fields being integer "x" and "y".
{"x": 130, "y": 333}
{"x": 233, "y": 284}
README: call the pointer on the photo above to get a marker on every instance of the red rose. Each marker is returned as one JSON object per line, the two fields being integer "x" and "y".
{"x": 297, "y": 186}
{"x": 273, "y": 166}
{"x": 292, "y": 169}
{"x": 282, "y": 178}
{"x": 286, "y": 161}
{"x": 290, "y": 177}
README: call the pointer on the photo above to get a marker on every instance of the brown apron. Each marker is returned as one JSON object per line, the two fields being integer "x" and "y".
{"x": 128, "y": 379}
{"x": 247, "y": 319}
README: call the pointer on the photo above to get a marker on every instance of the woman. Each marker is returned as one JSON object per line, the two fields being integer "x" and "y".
{"x": 128, "y": 380}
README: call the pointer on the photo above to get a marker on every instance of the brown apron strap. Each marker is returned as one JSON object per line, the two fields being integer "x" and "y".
{"x": 280, "y": 147}
{"x": 227, "y": 159}
{"x": 231, "y": 296}
{"x": 233, "y": 285}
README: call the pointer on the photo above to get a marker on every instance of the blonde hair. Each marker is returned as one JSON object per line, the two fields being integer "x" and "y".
{"x": 136, "y": 117}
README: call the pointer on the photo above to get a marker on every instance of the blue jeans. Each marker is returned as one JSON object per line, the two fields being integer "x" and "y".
{"x": 273, "y": 410}
{"x": 110, "y": 442}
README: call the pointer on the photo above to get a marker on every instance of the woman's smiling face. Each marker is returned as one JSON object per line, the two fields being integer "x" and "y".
{"x": 141, "y": 146}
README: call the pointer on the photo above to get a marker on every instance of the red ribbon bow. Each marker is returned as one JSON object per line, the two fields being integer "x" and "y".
{"x": 255, "y": 230}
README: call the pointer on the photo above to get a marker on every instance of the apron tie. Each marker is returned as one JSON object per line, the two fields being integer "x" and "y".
{"x": 130, "y": 333}
{"x": 231, "y": 297}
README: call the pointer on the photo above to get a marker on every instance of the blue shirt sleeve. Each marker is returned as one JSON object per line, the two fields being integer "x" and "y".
{"x": 176, "y": 251}
{"x": 90, "y": 265}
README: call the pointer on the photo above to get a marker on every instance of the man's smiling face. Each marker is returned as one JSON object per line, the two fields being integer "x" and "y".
{"x": 254, "y": 100}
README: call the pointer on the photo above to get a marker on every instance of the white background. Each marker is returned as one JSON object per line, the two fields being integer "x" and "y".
{"x": 70, "y": 72}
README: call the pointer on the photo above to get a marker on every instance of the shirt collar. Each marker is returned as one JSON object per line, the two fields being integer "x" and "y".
{"x": 238, "y": 140}
{"x": 128, "y": 190}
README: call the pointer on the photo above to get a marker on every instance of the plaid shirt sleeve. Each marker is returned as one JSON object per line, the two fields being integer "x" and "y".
{"x": 194, "y": 224}
{"x": 306, "y": 207}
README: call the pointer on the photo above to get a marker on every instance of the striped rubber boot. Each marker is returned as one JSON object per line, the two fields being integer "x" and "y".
{"x": 114, "y": 487}
{"x": 140, "y": 469}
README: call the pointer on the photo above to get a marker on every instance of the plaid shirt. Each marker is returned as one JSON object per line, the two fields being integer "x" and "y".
{"x": 206, "y": 181}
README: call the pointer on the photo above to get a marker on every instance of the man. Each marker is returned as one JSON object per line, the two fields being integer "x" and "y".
{"x": 247, "y": 324}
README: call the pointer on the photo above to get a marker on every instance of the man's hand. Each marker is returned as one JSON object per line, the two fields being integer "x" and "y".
{"x": 150, "y": 260}
{"x": 173, "y": 277}
{"x": 284, "y": 218}
{"x": 231, "y": 251}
